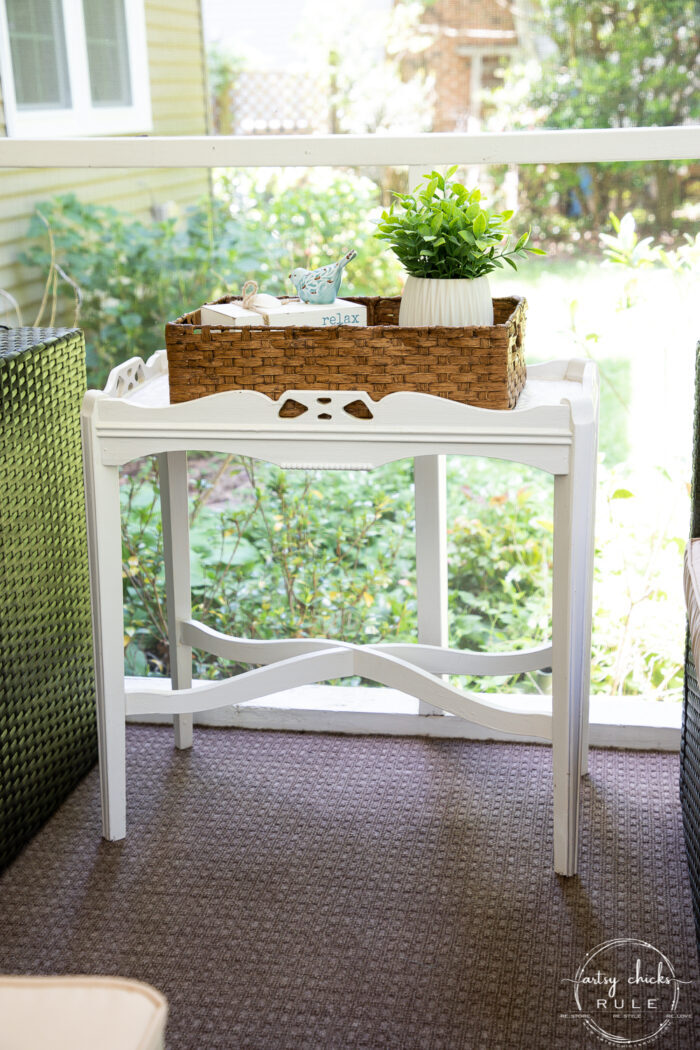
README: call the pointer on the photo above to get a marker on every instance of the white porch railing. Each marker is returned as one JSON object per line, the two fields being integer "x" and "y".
{"x": 523, "y": 147}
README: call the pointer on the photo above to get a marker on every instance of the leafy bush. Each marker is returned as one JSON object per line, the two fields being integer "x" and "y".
{"x": 308, "y": 220}
{"x": 500, "y": 552}
{"x": 320, "y": 554}
{"x": 442, "y": 230}
{"x": 135, "y": 275}
{"x": 310, "y": 553}
{"x": 296, "y": 554}
{"x": 626, "y": 249}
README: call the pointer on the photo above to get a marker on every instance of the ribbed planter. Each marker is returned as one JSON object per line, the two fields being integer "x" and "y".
{"x": 455, "y": 303}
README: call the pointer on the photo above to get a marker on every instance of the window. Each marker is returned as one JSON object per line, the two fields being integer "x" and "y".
{"x": 74, "y": 67}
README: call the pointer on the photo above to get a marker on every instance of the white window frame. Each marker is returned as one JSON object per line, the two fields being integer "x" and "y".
{"x": 82, "y": 118}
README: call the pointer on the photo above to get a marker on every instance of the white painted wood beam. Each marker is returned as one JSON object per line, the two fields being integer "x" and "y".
{"x": 241, "y": 151}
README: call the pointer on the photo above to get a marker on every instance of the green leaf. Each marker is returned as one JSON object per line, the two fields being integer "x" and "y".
{"x": 622, "y": 494}
{"x": 450, "y": 171}
{"x": 479, "y": 224}
{"x": 429, "y": 191}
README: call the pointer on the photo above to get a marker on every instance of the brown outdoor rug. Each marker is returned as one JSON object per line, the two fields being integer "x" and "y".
{"x": 303, "y": 891}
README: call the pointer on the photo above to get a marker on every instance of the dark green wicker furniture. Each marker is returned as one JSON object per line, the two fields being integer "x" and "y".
{"x": 690, "y": 735}
{"x": 47, "y": 721}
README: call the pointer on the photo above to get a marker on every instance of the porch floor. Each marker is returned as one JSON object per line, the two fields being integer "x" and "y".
{"x": 289, "y": 891}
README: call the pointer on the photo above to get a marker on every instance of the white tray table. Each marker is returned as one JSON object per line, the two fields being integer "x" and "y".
{"x": 554, "y": 428}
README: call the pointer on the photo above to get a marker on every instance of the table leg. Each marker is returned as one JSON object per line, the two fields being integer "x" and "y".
{"x": 105, "y": 557}
{"x": 574, "y": 496}
{"x": 431, "y": 555}
{"x": 172, "y": 472}
{"x": 587, "y": 557}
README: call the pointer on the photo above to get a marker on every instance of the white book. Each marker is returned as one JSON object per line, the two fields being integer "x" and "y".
{"x": 284, "y": 313}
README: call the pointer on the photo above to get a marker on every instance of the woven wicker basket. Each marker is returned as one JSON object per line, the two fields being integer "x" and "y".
{"x": 478, "y": 366}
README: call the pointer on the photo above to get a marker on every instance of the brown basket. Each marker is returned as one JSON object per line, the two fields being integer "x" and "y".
{"x": 478, "y": 366}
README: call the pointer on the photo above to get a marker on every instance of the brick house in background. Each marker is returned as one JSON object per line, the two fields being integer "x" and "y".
{"x": 274, "y": 93}
{"x": 472, "y": 40}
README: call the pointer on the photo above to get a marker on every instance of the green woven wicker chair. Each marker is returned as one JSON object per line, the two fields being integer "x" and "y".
{"x": 48, "y": 739}
{"x": 690, "y": 736}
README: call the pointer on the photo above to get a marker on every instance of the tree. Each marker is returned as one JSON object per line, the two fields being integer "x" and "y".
{"x": 618, "y": 63}
{"x": 611, "y": 64}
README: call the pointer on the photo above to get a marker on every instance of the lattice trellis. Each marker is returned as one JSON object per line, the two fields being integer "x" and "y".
{"x": 277, "y": 102}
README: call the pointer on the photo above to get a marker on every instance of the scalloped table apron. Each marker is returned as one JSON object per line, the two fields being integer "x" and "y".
{"x": 554, "y": 428}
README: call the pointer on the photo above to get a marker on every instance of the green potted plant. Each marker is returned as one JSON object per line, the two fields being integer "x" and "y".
{"x": 449, "y": 243}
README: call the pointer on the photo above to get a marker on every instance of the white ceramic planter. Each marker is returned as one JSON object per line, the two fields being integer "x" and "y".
{"x": 453, "y": 303}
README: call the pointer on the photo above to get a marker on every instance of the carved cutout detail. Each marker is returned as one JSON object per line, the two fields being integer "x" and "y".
{"x": 323, "y": 400}
{"x": 325, "y": 415}
{"x": 291, "y": 409}
{"x": 358, "y": 409}
{"x": 129, "y": 377}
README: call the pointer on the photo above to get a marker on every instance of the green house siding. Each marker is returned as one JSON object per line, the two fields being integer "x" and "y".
{"x": 179, "y": 107}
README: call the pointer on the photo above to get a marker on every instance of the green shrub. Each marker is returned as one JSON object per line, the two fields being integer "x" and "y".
{"x": 299, "y": 554}
{"x": 135, "y": 275}
{"x": 332, "y": 554}
{"x": 308, "y": 220}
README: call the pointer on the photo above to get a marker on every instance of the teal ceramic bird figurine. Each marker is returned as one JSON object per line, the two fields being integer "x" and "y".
{"x": 320, "y": 286}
